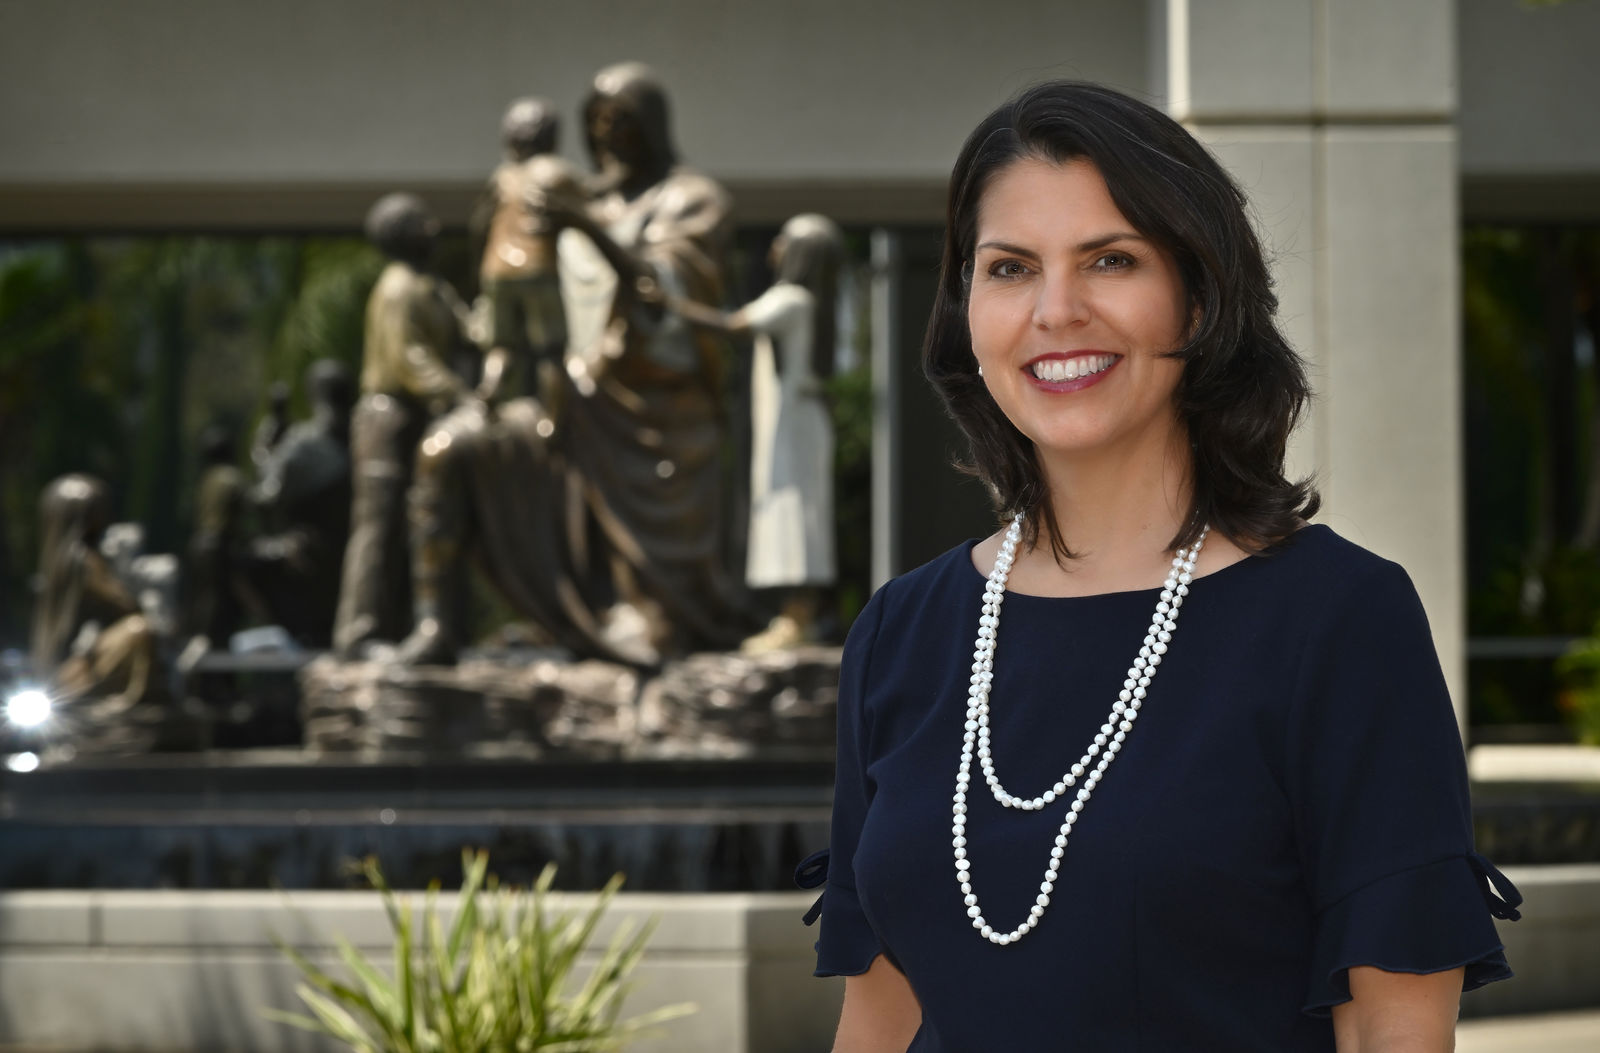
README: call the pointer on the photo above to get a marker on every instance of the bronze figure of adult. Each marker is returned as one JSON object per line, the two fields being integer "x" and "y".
{"x": 274, "y": 424}
{"x": 304, "y": 496}
{"x": 415, "y": 322}
{"x": 646, "y": 436}
{"x": 216, "y": 592}
{"x": 90, "y": 638}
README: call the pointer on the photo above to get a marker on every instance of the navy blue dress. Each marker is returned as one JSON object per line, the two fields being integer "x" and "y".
{"x": 1291, "y": 802}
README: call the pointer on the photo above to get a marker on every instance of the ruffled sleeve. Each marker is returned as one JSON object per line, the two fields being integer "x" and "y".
{"x": 1378, "y": 786}
{"x": 847, "y": 943}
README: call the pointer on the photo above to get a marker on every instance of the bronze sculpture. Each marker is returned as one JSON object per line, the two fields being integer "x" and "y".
{"x": 90, "y": 639}
{"x": 303, "y": 496}
{"x": 274, "y": 424}
{"x": 589, "y": 488}
{"x": 618, "y": 504}
{"x": 415, "y": 321}
{"x": 215, "y": 592}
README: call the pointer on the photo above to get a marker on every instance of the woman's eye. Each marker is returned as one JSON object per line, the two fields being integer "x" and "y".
{"x": 1114, "y": 261}
{"x": 1008, "y": 269}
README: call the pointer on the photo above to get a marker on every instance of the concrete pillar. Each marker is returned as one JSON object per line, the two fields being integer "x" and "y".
{"x": 1338, "y": 117}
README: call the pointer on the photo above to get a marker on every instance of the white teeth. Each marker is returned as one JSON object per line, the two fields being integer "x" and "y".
{"x": 1057, "y": 370}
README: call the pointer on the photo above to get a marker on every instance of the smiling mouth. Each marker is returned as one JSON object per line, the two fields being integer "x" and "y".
{"x": 1058, "y": 370}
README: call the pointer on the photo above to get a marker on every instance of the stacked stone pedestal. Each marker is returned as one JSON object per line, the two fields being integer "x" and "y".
{"x": 705, "y": 706}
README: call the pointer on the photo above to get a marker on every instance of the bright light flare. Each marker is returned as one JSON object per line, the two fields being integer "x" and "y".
{"x": 23, "y": 762}
{"x": 28, "y": 709}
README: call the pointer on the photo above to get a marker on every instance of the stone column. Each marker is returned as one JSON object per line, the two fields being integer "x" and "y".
{"x": 1338, "y": 117}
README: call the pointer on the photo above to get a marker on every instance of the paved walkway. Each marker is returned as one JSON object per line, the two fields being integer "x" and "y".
{"x": 1543, "y": 1033}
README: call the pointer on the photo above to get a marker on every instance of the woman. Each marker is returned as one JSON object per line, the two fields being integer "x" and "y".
{"x": 1273, "y": 831}
{"x": 791, "y": 448}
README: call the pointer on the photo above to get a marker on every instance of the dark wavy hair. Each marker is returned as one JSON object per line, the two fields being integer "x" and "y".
{"x": 1243, "y": 387}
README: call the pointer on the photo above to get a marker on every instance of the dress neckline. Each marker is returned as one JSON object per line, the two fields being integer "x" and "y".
{"x": 1252, "y": 559}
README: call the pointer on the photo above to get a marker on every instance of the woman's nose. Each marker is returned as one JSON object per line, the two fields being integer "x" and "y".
{"x": 1060, "y": 302}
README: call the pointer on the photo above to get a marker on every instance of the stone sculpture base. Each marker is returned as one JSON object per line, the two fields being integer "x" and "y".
{"x": 706, "y": 706}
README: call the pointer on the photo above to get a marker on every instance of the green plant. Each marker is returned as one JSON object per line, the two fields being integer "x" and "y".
{"x": 1579, "y": 669}
{"x": 494, "y": 982}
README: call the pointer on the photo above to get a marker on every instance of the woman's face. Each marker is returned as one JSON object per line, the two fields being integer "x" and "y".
{"x": 1071, "y": 310}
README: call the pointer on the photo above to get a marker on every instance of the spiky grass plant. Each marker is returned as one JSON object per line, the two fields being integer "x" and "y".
{"x": 495, "y": 982}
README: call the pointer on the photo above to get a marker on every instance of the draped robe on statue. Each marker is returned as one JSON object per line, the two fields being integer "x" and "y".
{"x": 645, "y": 430}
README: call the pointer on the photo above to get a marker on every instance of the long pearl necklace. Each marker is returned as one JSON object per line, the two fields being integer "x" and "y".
{"x": 1106, "y": 745}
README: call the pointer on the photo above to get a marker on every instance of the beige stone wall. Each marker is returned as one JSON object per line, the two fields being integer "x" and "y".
{"x": 189, "y": 972}
{"x": 305, "y": 99}
{"x": 295, "y": 112}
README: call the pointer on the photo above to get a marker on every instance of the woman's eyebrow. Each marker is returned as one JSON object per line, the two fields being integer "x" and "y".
{"x": 1110, "y": 239}
{"x": 1006, "y": 246}
{"x": 1086, "y": 246}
